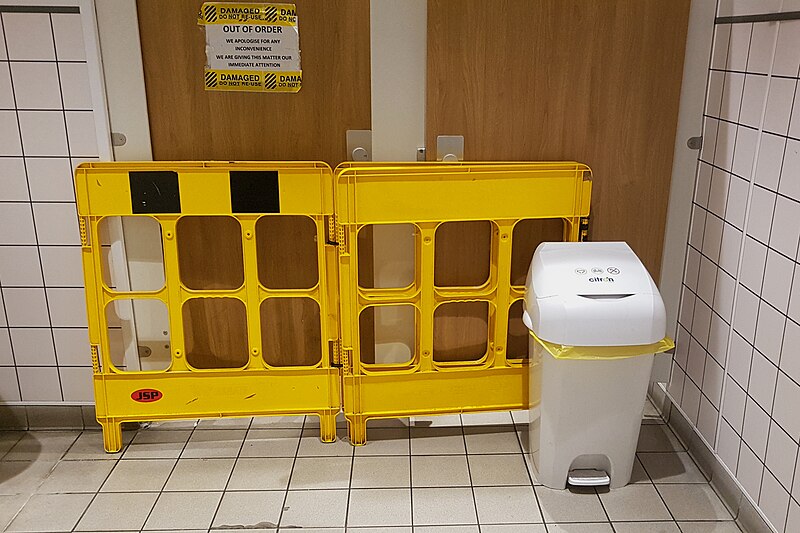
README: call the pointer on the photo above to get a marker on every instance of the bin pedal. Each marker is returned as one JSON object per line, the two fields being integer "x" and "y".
{"x": 588, "y": 478}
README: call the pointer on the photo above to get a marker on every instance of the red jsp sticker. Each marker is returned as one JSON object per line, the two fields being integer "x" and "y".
{"x": 146, "y": 395}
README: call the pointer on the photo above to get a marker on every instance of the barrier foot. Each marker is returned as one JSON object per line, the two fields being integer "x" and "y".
{"x": 327, "y": 427}
{"x": 112, "y": 436}
{"x": 357, "y": 427}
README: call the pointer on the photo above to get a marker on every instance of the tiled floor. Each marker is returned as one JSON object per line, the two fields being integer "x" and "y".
{"x": 451, "y": 473}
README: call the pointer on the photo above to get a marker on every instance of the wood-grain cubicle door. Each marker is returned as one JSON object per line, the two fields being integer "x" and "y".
{"x": 595, "y": 82}
{"x": 189, "y": 123}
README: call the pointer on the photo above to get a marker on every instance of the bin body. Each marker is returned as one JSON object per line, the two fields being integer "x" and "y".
{"x": 580, "y": 297}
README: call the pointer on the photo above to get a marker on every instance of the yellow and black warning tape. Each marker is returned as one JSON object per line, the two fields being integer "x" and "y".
{"x": 254, "y": 80}
{"x": 247, "y": 13}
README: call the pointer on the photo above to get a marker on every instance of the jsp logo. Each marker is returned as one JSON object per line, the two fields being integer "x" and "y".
{"x": 606, "y": 279}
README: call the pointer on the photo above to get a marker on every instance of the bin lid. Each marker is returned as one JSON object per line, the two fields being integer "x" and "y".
{"x": 592, "y": 294}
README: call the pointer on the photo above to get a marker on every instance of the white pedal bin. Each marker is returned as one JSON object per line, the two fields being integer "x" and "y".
{"x": 596, "y": 318}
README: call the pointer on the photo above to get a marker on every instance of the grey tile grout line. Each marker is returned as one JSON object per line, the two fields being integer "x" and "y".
{"x": 291, "y": 471}
{"x": 352, "y": 466}
{"x": 469, "y": 471}
{"x": 411, "y": 475}
{"x": 230, "y": 474}
{"x": 528, "y": 470}
{"x": 655, "y": 486}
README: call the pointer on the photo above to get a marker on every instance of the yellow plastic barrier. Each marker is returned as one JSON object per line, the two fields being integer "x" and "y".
{"x": 500, "y": 196}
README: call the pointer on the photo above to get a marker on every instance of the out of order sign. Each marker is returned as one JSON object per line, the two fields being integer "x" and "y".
{"x": 251, "y": 47}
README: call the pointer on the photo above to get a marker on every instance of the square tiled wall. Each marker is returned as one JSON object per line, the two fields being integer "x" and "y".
{"x": 46, "y": 129}
{"x": 736, "y": 372}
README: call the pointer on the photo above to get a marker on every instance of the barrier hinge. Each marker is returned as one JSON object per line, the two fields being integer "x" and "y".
{"x": 347, "y": 361}
{"x": 332, "y": 236}
{"x": 584, "y": 229}
{"x": 336, "y": 353}
{"x": 83, "y": 227}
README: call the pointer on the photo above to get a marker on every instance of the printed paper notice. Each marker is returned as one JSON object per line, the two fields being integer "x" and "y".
{"x": 251, "y": 47}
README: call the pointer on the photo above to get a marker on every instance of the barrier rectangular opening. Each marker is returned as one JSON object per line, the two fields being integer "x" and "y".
{"x": 460, "y": 332}
{"x": 388, "y": 335}
{"x": 287, "y": 252}
{"x": 210, "y": 252}
{"x": 463, "y": 253}
{"x": 291, "y": 332}
{"x": 145, "y": 344}
{"x": 215, "y": 333}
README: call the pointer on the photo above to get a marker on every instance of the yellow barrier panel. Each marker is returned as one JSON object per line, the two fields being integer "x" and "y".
{"x": 249, "y": 288}
{"x": 473, "y": 229}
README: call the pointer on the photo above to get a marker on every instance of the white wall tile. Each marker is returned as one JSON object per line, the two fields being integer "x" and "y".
{"x": 6, "y": 354}
{"x": 726, "y": 140}
{"x": 785, "y": 228}
{"x": 20, "y": 267}
{"x": 682, "y": 343}
{"x": 69, "y": 37}
{"x": 707, "y": 420}
{"x": 9, "y": 388}
{"x": 701, "y": 323}
{"x": 734, "y": 400}
{"x": 729, "y": 251}
{"x": 703, "y": 184}
{"x": 16, "y": 224}
{"x": 75, "y": 85}
{"x": 718, "y": 192}
{"x": 787, "y": 51}
{"x": 770, "y": 160}
{"x": 62, "y": 266}
{"x": 82, "y": 134}
{"x": 716, "y": 81}
{"x": 698, "y": 227}
{"x": 690, "y": 401}
{"x": 763, "y": 376}
{"x": 36, "y": 85}
{"x": 50, "y": 179}
{"x": 43, "y": 133}
{"x": 790, "y": 355}
{"x": 774, "y": 500}
{"x": 13, "y": 185}
{"x": 739, "y": 360}
{"x": 756, "y": 428}
{"x": 762, "y": 42}
{"x": 76, "y": 383}
{"x": 39, "y": 384}
{"x": 3, "y": 322}
{"x": 712, "y": 237}
{"x": 706, "y": 281}
{"x": 749, "y": 471}
{"x": 732, "y": 92}
{"x": 728, "y": 8}
{"x": 794, "y": 297}
{"x": 692, "y": 269}
{"x": 745, "y": 313}
{"x": 33, "y": 346}
{"x": 777, "y": 276}
{"x": 794, "y": 121}
{"x": 790, "y": 173}
{"x": 723, "y": 295}
{"x": 787, "y": 398}
{"x": 719, "y": 55}
{"x": 26, "y": 307}
{"x": 793, "y": 520}
{"x": 9, "y": 134}
{"x": 737, "y": 201}
{"x": 72, "y": 346}
{"x": 687, "y": 308}
{"x": 3, "y": 53}
{"x": 781, "y": 455}
{"x": 769, "y": 332}
{"x": 57, "y": 223}
{"x": 696, "y": 362}
{"x": 762, "y": 206}
{"x": 712, "y": 384}
{"x": 779, "y": 102}
{"x": 67, "y": 307}
{"x": 754, "y": 259}
{"x": 728, "y": 446}
{"x": 746, "y": 142}
{"x": 755, "y": 92}
{"x": 739, "y": 47}
{"x": 676, "y": 382}
{"x": 710, "y": 127}
{"x": 6, "y": 92}
{"x": 28, "y": 36}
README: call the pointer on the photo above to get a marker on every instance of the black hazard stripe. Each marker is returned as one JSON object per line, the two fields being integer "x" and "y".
{"x": 271, "y": 14}
{"x": 210, "y": 12}
{"x": 270, "y": 81}
{"x": 211, "y": 79}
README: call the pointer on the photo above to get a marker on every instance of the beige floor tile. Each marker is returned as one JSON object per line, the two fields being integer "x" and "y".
{"x": 443, "y": 529}
{"x": 524, "y": 440}
{"x": 139, "y": 475}
{"x": 513, "y": 528}
{"x": 183, "y": 510}
{"x": 668, "y": 467}
{"x": 381, "y": 472}
{"x": 634, "y": 502}
{"x": 570, "y": 505}
{"x": 507, "y": 505}
{"x": 224, "y": 423}
{"x": 278, "y": 422}
{"x": 240, "y": 531}
{"x": 649, "y": 527}
{"x": 492, "y": 439}
{"x": 531, "y": 469}
{"x": 76, "y": 476}
{"x": 200, "y": 474}
{"x": 8, "y": 439}
{"x": 385, "y": 441}
{"x": 261, "y": 474}
{"x": 388, "y": 423}
{"x": 51, "y": 512}
{"x": 495, "y": 470}
{"x": 521, "y": 418}
{"x": 437, "y": 440}
{"x": 314, "y": 508}
{"x": 321, "y": 473}
{"x": 42, "y": 446}
{"x": 10, "y": 504}
{"x": 89, "y": 446}
{"x": 215, "y": 443}
{"x": 444, "y": 506}
{"x": 249, "y": 510}
{"x": 23, "y": 477}
{"x": 379, "y": 507}
{"x": 693, "y": 502}
{"x": 170, "y": 425}
{"x": 271, "y": 443}
{"x": 638, "y": 474}
{"x": 155, "y": 444}
{"x": 496, "y": 418}
{"x": 436, "y": 421}
{"x": 439, "y": 471}
{"x": 386, "y": 529}
{"x": 710, "y": 527}
{"x": 597, "y": 527}
{"x": 312, "y": 421}
{"x": 115, "y": 511}
{"x": 658, "y": 438}
{"x": 311, "y": 446}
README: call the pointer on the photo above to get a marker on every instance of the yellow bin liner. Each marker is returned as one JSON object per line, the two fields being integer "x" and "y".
{"x": 562, "y": 351}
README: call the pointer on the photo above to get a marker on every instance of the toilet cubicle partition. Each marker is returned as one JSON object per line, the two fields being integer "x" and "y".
{"x": 259, "y": 288}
